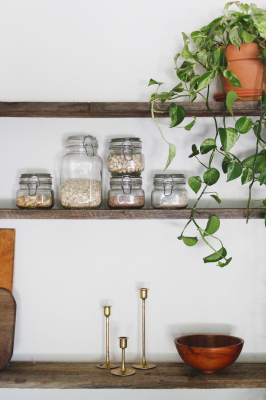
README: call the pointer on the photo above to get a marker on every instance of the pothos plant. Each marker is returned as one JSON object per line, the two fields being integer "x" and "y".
{"x": 246, "y": 25}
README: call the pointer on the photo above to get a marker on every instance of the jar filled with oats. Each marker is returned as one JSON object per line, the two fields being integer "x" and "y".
{"x": 126, "y": 192}
{"x": 35, "y": 191}
{"x": 125, "y": 156}
{"x": 81, "y": 173}
{"x": 169, "y": 191}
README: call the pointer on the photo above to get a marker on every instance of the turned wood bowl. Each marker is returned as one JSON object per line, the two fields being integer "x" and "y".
{"x": 209, "y": 353}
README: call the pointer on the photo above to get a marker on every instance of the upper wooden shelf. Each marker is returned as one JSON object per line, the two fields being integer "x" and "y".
{"x": 223, "y": 213}
{"x": 116, "y": 110}
{"x": 63, "y": 375}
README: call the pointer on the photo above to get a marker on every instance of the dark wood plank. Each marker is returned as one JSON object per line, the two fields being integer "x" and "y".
{"x": 223, "y": 213}
{"x": 115, "y": 109}
{"x": 62, "y": 375}
{"x": 7, "y": 326}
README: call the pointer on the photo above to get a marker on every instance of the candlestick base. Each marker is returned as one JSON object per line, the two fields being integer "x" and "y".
{"x": 127, "y": 372}
{"x": 144, "y": 366}
{"x": 106, "y": 366}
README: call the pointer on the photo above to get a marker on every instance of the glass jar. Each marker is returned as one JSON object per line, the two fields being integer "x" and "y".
{"x": 169, "y": 191}
{"x": 125, "y": 156}
{"x": 126, "y": 192}
{"x": 35, "y": 191}
{"x": 81, "y": 173}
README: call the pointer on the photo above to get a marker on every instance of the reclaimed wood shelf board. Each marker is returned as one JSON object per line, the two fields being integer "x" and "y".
{"x": 223, "y": 213}
{"x": 117, "y": 110}
{"x": 68, "y": 375}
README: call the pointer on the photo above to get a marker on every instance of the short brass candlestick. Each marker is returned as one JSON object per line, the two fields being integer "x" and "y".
{"x": 143, "y": 365}
{"x": 107, "y": 364}
{"x": 123, "y": 371}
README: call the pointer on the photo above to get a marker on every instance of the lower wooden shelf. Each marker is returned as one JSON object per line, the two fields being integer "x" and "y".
{"x": 224, "y": 213}
{"x": 69, "y": 375}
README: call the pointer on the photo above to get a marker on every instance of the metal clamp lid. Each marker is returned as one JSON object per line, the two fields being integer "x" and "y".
{"x": 169, "y": 181}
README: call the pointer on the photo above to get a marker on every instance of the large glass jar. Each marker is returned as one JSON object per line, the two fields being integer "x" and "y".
{"x": 125, "y": 156}
{"x": 35, "y": 191}
{"x": 169, "y": 191}
{"x": 81, "y": 173}
{"x": 126, "y": 192}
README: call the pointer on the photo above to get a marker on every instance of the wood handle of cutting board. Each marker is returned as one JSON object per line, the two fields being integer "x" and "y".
{"x": 7, "y": 251}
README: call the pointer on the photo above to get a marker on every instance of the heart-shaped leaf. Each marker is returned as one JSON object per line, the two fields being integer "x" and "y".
{"x": 216, "y": 256}
{"x": 172, "y": 153}
{"x": 213, "y": 225}
{"x": 190, "y": 241}
{"x": 211, "y": 176}
{"x": 207, "y": 145}
{"x": 243, "y": 124}
{"x": 195, "y": 183}
{"x": 228, "y": 138}
{"x": 177, "y": 114}
{"x": 234, "y": 170}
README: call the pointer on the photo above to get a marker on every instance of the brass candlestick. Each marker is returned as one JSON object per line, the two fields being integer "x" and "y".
{"x": 107, "y": 364}
{"x": 123, "y": 371}
{"x": 143, "y": 365}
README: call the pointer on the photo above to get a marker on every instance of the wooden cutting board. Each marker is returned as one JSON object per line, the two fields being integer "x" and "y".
{"x": 7, "y": 326}
{"x": 7, "y": 250}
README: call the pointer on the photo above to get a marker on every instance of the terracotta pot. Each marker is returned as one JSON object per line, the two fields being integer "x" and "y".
{"x": 247, "y": 66}
{"x": 209, "y": 353}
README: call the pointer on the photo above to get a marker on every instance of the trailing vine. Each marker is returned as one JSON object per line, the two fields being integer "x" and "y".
{"x": 247, "y": 25}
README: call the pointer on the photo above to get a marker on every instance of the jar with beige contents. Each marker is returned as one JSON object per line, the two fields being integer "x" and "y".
{"x": 126, "y": 192}
{"x": 169, "y": 191}
{"x": 35, "y": 191}
{"x": 125, "y": 156}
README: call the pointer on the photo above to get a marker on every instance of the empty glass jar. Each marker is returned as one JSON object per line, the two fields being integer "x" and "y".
{"x": 81, "y": 173}
{"x": 35, "y": 191}
{"x": 126, "y": 192}
{"x": 169, "y": 191}
{"x": 125, "y": 156}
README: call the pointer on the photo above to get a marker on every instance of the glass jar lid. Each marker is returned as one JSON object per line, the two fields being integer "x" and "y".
{"x": 35, "y": 179}
{"x": 169, "y": 179}
{"x": 126, "y": 180}
{"x": 82, "y": 140}
{"x": 125, "y": 142}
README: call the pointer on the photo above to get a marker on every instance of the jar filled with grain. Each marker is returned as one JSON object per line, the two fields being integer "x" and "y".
{"x": 35, "y": 191}
{"x": 126, "y": 192}
{"x": 169, "y": 191}
{"x": 125, "y": 156}
{"x": 81, "y": 174}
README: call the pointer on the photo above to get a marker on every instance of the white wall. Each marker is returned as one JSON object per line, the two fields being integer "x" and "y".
{"x": 66, "y": 270}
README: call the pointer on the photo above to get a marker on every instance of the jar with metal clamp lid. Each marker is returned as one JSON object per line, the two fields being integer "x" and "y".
{"x": 126, "y": 192}
{"x": 169, "y": 191}
{"x": 35, "y": 191}
{"x": 125, "y": 156}
{"x": 81, "y": 174}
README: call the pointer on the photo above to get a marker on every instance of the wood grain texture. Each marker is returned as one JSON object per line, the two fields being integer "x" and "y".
{"x": 7, "y": 250}
{"x": 223, "y": 213}
{"x": 116, "y": 109}
{"x": 62, "y": 375}
{"x": 7, "y": 326}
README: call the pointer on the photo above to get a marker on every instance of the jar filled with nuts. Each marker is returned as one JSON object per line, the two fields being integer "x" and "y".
{"x": 126, "y": 192}
{"x": 35, "y": 191}
{"x": 81, "y": 174}
{"x": 125, "y": 156}
{"x": 169, "y": 191}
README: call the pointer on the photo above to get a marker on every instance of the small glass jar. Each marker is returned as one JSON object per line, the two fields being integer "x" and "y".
{"x": 81, "y": 174}
{"x": 35, "y": 191}
{"x": 169, "y": 191}
{"x": 126, "y": 192}
{"x": 125, "y": 156}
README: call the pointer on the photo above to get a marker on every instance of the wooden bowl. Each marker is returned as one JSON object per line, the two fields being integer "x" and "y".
{"x": 209, "y": 353}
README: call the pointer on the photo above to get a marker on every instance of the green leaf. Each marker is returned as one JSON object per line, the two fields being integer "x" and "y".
{"x": 203, "y": 57}
{"x": 246, "y": 176}
{"x": 187, "y": 54}
{"x": 228, "y": 138}
{"x": 177, "y": 114}
{"x": 195, "y": 183}
{"x": 248, "y": 37}
{"x": 219, "y": 57}
{"x": 198, "y": 38}
{"x": 153, "y": 82}
{"x": 216, "y": 198}
{"x": 243, "y": 124}
{"x": 260, "y": 163}
{"x": 207, "y": 145}
{"x": 230, "y": 98}
{"x": 178, "y": 88}
{"x": 225, "y": 163}
{"x": 205, "y": 80}
{"x": 172, "y": 153}
{"x": 213, "y": 225}
{"x": 186, "y": 72}
{"x": 190, "y": 125}
{"x": 262, "y": 178}
{"x": 264, "y": 202}
{"x": 227, "y": 73}
{"x": 234, "y": 170}
{"x": 195, "y": 151}
{"x": 259, "y": 18}
{"x": 190, "y": 241}
{"x": 234, "y": 80}
{"x": 234, "y": 37}
{"x": 211, "y": 176}
{"x": 215, "y": 256}
{"x": 225, "y": 263}
{"x": 185, "y": 37}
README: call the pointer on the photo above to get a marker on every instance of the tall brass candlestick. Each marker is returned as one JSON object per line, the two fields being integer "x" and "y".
{"x": 107, "y": 364}
{"x": 143, "y": 365}
{"x": 123, "y": 371}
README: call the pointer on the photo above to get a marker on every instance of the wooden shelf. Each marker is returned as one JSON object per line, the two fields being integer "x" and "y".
{"x": 223, "y": 213}
{"x": 63, "y": 375}
{"x": 116, "y": 110}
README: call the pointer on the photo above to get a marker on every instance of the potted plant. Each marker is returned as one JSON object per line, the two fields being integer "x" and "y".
{"x": 234, "y": 31}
